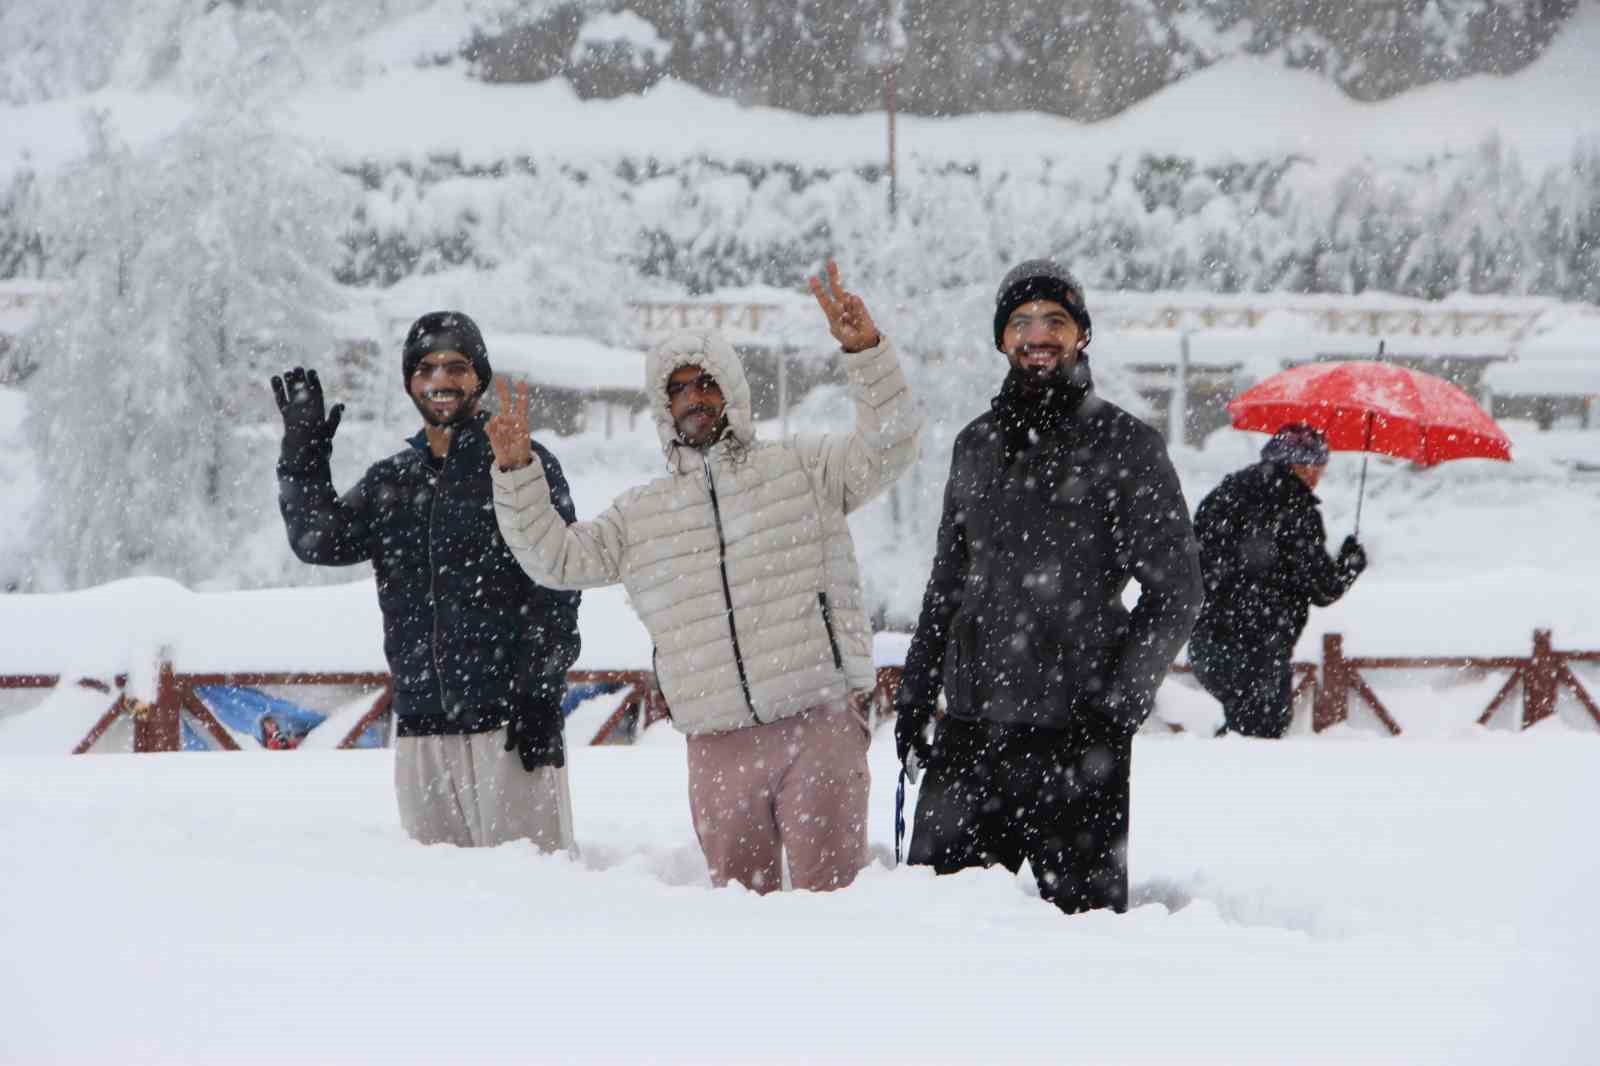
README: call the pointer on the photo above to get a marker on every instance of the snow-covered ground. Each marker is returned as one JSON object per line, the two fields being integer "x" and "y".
{"x": 1335, "y": 898}
{"x": 1314, "y": 900}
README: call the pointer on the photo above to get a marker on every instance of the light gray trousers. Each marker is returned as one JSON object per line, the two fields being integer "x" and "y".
{"x": 795, "y": 788}
{"x": 471, "y": 792}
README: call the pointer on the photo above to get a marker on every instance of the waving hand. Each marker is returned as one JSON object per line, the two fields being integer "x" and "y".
{"x": 305, "y": 421}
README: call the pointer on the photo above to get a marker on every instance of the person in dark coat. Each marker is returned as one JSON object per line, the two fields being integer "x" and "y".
{"x": 1056, "y": 500}
{"x": 478, "y": 652}
{"x": 1263, "y": 550}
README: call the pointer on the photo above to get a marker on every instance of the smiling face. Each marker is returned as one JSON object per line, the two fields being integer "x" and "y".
{"x": 697, "y": 405}
{"x": 1041, "y": 338}
{"x": 445, "y": 388}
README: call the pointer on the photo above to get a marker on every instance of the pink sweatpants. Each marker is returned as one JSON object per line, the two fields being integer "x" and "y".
{"x": 797, "y": 786}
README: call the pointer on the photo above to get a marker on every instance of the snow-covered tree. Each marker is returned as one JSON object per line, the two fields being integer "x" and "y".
{"x": 205, "y": 262}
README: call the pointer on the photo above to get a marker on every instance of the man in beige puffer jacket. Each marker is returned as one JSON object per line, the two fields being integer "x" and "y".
{"x": 740, "y": 564}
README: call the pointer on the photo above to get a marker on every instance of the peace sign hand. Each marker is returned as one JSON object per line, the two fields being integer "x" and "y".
{"x": 508, "y": 430}
{"x": 848, "y": 319}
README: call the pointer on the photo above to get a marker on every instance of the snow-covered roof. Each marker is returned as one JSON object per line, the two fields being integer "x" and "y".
{"x": 1545, "y": 377}
{"x": 1251, "y": 353}
{"x": 1559, "y": 357}
{"x": 1567, "y": 333}
{"x": 751, "y": 316}
{"x": 568, "y": 362}
{"x": 1265, "y": 331}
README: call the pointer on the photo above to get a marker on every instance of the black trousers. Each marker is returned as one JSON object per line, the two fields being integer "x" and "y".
{"x": 1056, "y": 798}
{"x": 1252, "y": 679}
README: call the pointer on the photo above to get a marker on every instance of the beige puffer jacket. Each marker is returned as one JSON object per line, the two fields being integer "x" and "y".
{"x": 739, "y": 561}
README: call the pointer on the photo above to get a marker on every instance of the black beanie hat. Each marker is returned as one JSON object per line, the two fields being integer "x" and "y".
{"x": 1296, "y": 445}
{"x": 445, "y": 331}
{"x": 1039, "y": 279}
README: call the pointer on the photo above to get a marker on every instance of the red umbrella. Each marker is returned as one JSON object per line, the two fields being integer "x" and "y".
{"x": 1374, "y": 407}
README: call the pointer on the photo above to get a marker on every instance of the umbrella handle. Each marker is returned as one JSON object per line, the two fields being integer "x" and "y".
{"x": 1365, "y": 455}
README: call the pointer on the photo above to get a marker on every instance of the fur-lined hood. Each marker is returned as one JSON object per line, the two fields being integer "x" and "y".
{"x": 711, "y": 352}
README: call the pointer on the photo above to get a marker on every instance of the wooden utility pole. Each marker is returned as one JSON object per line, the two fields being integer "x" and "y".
{"x": 889, "y": 91}
{"x": 894, "y": 50}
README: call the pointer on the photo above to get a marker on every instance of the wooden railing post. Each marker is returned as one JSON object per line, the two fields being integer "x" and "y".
{"x": 157, "y": 726}
{"x": 885, "y": 689}
{"x": 1541, "y": 682}
{"x": 1332, "y": 704}
{"x": 376, "y": 713}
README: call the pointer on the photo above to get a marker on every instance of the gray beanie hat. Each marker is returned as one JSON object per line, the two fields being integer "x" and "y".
{"x": 1297, "y": 445}
{"x": 1040, "y": 279}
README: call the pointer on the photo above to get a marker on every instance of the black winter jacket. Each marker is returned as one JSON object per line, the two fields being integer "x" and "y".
{"x": 1023, "y": 621}
{"x": 1263, "y": 550}
{"x": 471, "y": 640}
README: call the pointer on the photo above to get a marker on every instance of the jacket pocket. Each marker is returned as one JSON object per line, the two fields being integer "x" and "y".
{"x": 959, "y": 656}
{"x": 1079, "y": 675}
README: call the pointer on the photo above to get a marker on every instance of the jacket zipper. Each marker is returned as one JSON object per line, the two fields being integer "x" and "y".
{"x": 433, "y": 573}
{"x": 827, "y": 622}
{"x": 727, "y": 592}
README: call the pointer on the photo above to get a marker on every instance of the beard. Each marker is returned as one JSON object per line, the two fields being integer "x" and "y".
{"x": 465, "y": 407}
{"x": 1037, "y": 373}
{"x": 714, "y": 423}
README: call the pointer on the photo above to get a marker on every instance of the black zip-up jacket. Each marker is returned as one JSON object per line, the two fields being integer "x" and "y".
{"x": 1263, "y": 550}
{"x": 471, "y": 640}
{"x": 1023, "y": 621}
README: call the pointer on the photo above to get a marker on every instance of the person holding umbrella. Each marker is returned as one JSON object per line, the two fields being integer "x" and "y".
{"x": 1264, "y": 560}
{"x": 1262, "y": 542}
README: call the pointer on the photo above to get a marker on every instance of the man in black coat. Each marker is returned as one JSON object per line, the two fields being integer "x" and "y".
{"x": 1056, "y": 499}
{"x": 1264, "y": 555}
{"x": 478, "y": 651}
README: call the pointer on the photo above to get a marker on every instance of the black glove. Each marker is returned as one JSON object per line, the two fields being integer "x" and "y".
{"x": 299, "y": 396}
{"x": 1352, "y": 556}
{"x": 911, "y": 733}
{"x": 536, "y": 735}
{"x": 1105, "y": 719}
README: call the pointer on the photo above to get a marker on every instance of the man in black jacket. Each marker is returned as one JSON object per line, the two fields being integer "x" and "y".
{"x": 478, "y": 652}
{"x": 1263, "y": 552}
{"x": 1056, "y": 499}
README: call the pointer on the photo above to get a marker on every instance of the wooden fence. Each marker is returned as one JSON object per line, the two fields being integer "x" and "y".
{"x": 1542, "y": 675}
{"x": 1337, "y": 686}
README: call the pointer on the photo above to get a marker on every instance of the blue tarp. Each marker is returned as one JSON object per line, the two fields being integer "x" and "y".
{"x": 246, "y": 710}
{"x": 586, "y": 690}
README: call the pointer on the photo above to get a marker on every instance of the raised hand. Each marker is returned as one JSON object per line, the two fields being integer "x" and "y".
{"x": 305, "y": 421}
{"x": 508, "y": 430}
{"x": 848, "y": 319}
